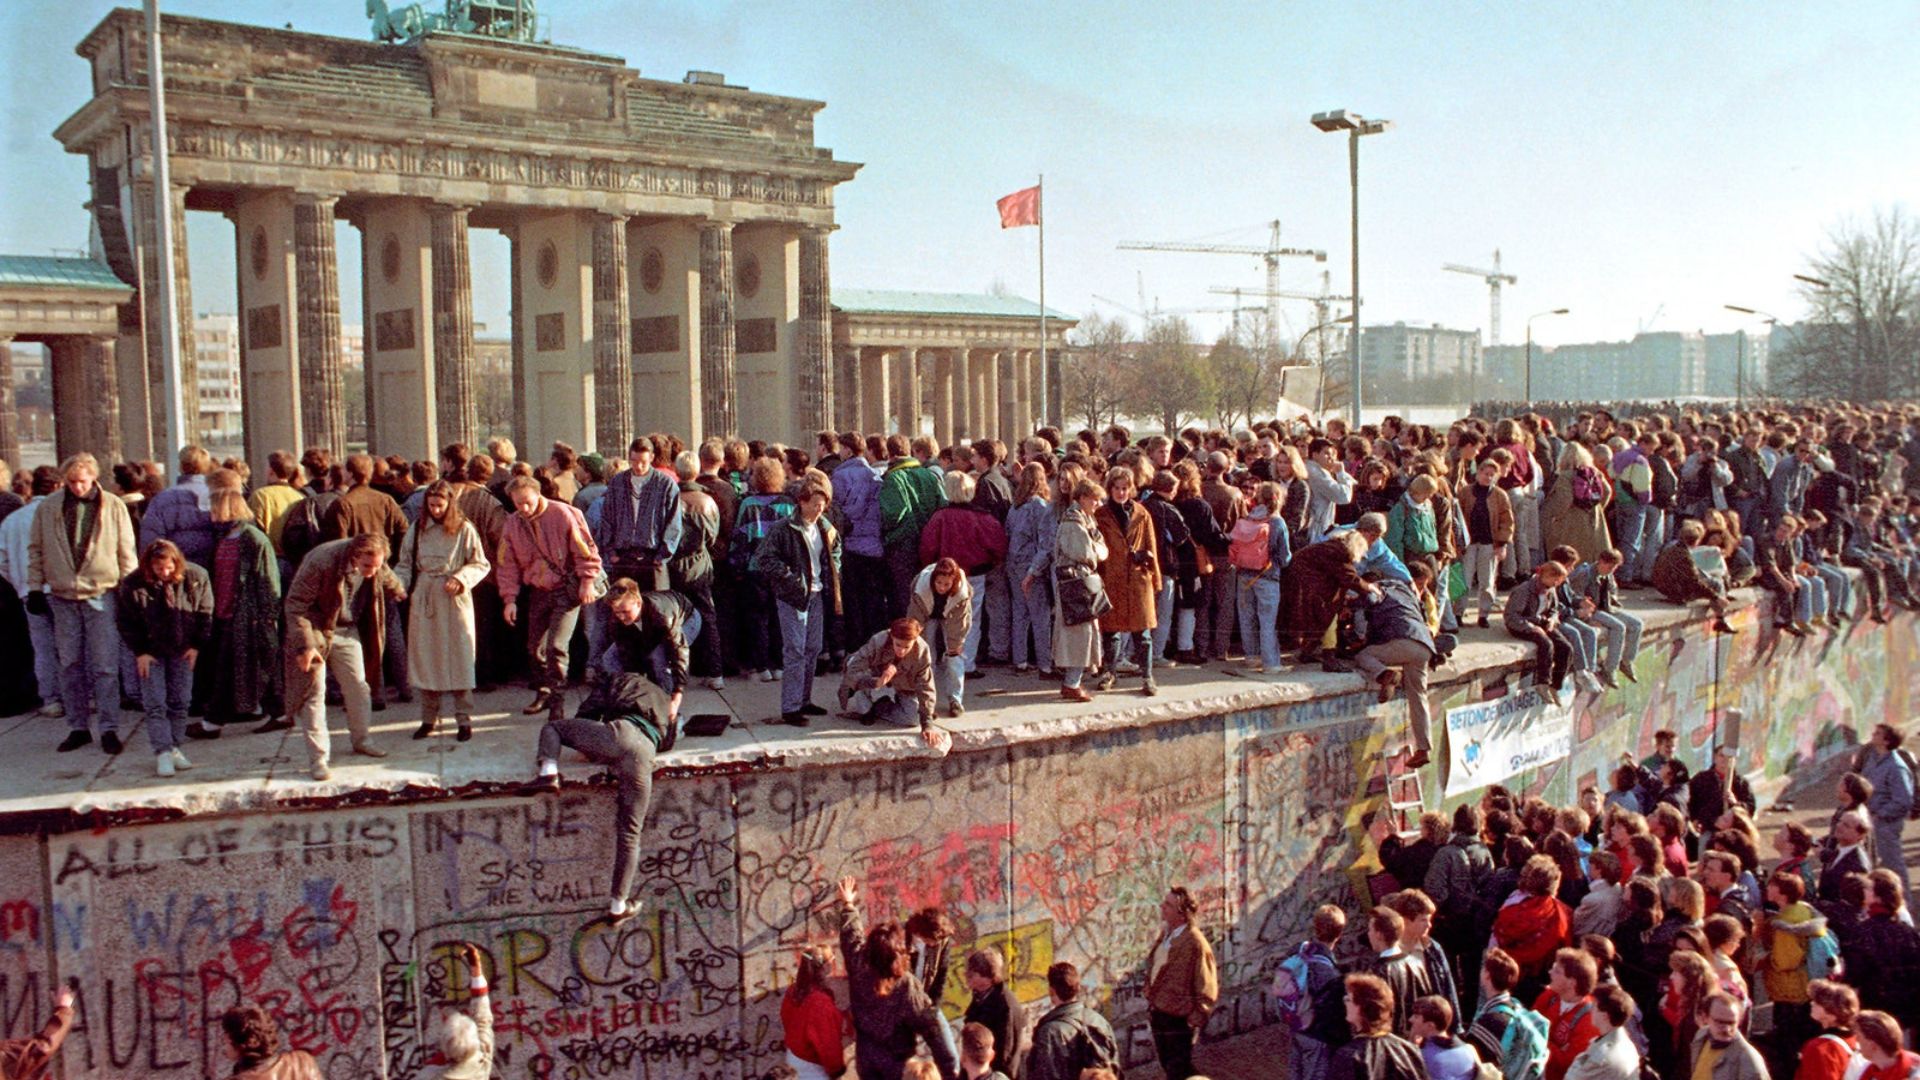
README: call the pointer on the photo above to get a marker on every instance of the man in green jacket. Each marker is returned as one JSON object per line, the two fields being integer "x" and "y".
{"x": 909, "y": 494}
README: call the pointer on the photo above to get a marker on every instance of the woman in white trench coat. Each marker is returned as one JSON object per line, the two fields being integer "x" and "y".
{"x": 440, "y": 562}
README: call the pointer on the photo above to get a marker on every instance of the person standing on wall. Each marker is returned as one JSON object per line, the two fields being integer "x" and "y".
{"x": 638, "y": 530}
{"x": 546, "y": 547}
{"x": 1182, "y": 984}
{"x": 443, "y": 552}
{"x": 336, "y": 620}
{"x": 80, "y": 549}
{"x": 800, "y": 563}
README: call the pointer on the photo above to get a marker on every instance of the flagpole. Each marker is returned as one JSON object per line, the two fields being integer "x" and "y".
{"x": 1040, "y": 204}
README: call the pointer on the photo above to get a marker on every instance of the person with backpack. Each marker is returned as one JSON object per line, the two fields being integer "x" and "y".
{"x": 1795, "y": 949}
{"x": 1453, "y": 879}
{"x": 1833, "y": 1053}
{"x": 1506, "y": 1032}
{"x": 1072, "y": 1036}
{"x": 1260, "y": 548}
{"x": 1574, "y": 513}
{"x": 1308, "y": 990}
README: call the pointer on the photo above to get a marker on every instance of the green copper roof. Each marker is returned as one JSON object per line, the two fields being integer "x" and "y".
{"x": 894, "y": 302}
{"x": 56, "y": 272}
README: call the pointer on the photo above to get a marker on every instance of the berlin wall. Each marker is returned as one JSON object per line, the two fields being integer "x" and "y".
{"x": 343, "y": 922}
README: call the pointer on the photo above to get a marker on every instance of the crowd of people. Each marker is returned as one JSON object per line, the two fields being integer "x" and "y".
{"x": 1629, "y": 937}
{"x": 1517, "y": 937}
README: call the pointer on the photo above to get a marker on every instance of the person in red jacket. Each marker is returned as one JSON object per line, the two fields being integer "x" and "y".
{"x": 1883, "y": 1044}
{"x": 813, "y": 1026}
{"x": 1827, "y": 1055}
{"x": 1533, "y": 927}
{"x": 1567, "y": 1003}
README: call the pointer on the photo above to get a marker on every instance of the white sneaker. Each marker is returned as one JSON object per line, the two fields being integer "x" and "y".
{"x": 179, "y": 759}
{"x": 620, "y": 908}
{"x": 1126, "y": 667}
{"x": 53, "y": 710}
{"x": 718, "y": 682}
{"x": 776, "y": 674}
{"x": 163, "y": 763}
{"x": 769, "y": 676}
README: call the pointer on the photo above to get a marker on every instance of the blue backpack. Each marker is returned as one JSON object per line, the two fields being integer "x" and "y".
{"x": 1823, "y": 956}
{"x": 1302, "y": 979}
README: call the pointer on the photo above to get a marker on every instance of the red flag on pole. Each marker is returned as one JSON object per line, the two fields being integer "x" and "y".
{"x": 1020, "y": 208}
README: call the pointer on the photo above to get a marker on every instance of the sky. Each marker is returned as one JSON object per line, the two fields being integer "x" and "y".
{"x": 1641, "y": 164}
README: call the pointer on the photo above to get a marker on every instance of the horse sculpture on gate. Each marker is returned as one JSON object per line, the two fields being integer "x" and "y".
{"x": 510, "y": 19}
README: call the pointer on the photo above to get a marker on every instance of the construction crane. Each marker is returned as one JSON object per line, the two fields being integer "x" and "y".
{"x": 1322, "y": 301}
{"x": 1271, "y": 255}
{"x": 1149, "y": 316}
{"x": 1494, "y": 279}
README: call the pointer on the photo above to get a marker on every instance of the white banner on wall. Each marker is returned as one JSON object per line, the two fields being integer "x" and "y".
{"x": 1493, "y": 740}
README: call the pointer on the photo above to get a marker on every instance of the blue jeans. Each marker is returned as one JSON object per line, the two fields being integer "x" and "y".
{"x": 1163, "y": 607}
{"x": 949, "y": 672}
{"x": 1803, "y": 599}
{"x": 1586, "y": 644}
{"x": 46, "y": 661}
{"x": 165, "y": 693}
{"x": 1839, "y": 589}
{"x": 1623, "y": 636}
{"x": 802, "y": 636}
{"x": 1001, "y": 622}
{"x": 1134, "y": 643}
{"x": 1033, "y": 617}
{"x": 88, "y": 647}
{"x": 1257, "y": 598}
{"x": 1653, "y": 533}
{"x": 971, "y": 649}
{"x": 1815, "y": 591}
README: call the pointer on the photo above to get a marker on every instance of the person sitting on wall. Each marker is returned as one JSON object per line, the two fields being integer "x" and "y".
{"x": 624, "y": 723}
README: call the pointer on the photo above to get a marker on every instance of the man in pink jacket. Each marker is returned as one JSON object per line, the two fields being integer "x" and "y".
{"x": 547, "y": 548}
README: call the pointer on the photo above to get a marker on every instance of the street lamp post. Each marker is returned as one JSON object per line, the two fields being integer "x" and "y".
{"x": 1740, "y": 355}
{"x": 1355, "y": 126}
{"x": 1530, "y": 318}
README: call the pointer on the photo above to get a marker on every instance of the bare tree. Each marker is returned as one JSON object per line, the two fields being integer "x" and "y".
{"x": 1092, "y": 374}
{"x": 1246, "y": 374}
{"x": 1862, "y": 338}
{"x": 1171, "y": 382}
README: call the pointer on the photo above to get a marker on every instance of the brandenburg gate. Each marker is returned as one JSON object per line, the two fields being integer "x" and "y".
{"x": 668, "y": 239}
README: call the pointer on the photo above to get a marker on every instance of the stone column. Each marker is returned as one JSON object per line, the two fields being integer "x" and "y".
{"x": 1056, "y": 403}
{"x": 813, "y": 346}
{"x": 459, "y": 416}
{"x": 149, "y": 231}
{"x": 906, "y": 373}
{"x": 875, "y": 401}
{"x": 86, "y": 398}
{"x": 1006, "y": 394}
{"x": 323, "y": 410}
{"x": 612, "y": 345}
{"x": 9, "y": 416}
{"x": 943, "y": 399}
{"x": 370, "y": 341}
{"x": 516, "y": 321}
{"x": 1023, "y": 368}
{"x": 961, "y": 383}
{"x": 848, "y": 414}
{"x": 717, "y": 407}
{"x": 103, "y": 395}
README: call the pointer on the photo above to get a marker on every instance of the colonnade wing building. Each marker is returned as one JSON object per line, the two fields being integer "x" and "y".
{"x": 669, "y": 239}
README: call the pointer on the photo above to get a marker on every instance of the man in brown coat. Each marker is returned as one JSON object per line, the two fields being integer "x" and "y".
{"x": 336, "y": 616}
{"x": 1182, "y": 984}
{"x": 367, "y": 511}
